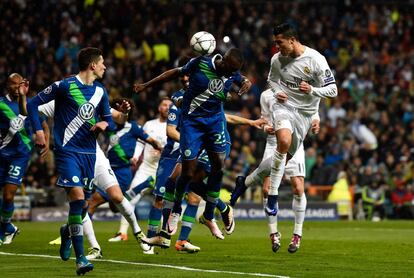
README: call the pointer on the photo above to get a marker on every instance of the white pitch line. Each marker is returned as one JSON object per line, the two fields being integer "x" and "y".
{"x": 154, "y": 265}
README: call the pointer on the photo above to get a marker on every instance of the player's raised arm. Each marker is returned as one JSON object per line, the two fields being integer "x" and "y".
{"x": 23, "y": 89}
{"x": 120, "y": 114}
{"x": 164, "y": 77}
{"x": 246, "y": 84}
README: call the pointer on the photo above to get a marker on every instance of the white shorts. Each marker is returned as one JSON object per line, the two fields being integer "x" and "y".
{"x": 295, "y": 166}
{"x": 104, "y": 176}
{"x": 298, "y": 123}
{"x": 142, "y": 174}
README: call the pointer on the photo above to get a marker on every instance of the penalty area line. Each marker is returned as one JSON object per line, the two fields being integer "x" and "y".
{"x": 184, "y": 268}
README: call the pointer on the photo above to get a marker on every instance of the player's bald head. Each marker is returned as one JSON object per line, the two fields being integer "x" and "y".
{"x": 14, "y": 77}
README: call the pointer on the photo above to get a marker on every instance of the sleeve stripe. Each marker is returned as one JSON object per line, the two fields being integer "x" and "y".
{"x": 328, "y": 84}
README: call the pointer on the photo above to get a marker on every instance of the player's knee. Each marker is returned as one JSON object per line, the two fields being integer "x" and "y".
{"x": 193, "y": 198}
{"x": 298, "y": 185}
{"x": 158, "y": 202}
{"x": 283, "y": 145}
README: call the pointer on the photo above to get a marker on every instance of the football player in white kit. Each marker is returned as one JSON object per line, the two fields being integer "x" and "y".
{"x": 300, "y": 76}
{"x": 295, "y": 170}
{"x": 157, "y": 129}
{"x": 106, "y": 181}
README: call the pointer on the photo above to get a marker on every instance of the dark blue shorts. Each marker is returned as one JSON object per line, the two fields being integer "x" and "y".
{"x": 198, "y": 132}
{"x": 75, "y": 170}
{"x": 12, "y": 169}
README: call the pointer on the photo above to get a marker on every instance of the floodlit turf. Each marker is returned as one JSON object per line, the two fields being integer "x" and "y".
{"x": 329, "y": 249}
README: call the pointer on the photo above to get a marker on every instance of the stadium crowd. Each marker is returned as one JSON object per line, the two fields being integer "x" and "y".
{"x": 368, "y": 131}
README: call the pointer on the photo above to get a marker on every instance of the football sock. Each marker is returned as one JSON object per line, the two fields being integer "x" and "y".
{"x": 258, "y": 175}
{"x": 75, "y": 226}
{"x": 299, "y": 209}
{"x": 276, "y": 173}
{"x": 154, "y": 219}
{"x": 271, "y": 219}
{"x": 180, "y": 187}
{"x": 221, "y": 206}
{"x": 127, "y": 211}
{"x": 213, "y": 192}
{"x": 89, "y": 232}
{"x": 188, "y": 221}
{"x": 7, "y": 209}
{"x": 166, "y": 211}
{"x": 124, "y": 225}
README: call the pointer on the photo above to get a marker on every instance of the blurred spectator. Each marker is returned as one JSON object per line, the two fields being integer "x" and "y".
{"x": 373, "y": 198}
{"x": 403, "y": 200}
{"x": 341, "y": 196}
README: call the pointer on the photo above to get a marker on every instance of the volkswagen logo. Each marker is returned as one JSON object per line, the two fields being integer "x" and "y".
{"x": 17, "y": 123}
{"x": 216, "y": 85}
{"x": 86, "y": 111}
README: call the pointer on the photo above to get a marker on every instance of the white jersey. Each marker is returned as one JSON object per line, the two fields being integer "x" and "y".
{"x": 286, "y": 73}
{"x": 157, "y": 130}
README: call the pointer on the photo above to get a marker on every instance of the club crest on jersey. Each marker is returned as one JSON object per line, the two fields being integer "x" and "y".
{"x": 172, "y": 117}
{"x": 307, "y": 70}
{"x": 86, "y": 111}
{"x": 216, "y": 85}
{"x": 17, "y": 123}
{"x": 187, "y": 152}
{"x": 113, "y": 140}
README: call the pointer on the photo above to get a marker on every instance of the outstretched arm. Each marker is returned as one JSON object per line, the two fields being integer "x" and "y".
{"x": 154, "y": 143}
{"x": 237, "y": 120}
{"x": 164, "y": 77}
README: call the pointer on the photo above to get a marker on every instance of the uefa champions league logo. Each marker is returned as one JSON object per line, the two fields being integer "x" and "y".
{"x": 172, "y": 117}
{"x": 113, "y": 139}
{"x": 17, "y": 123}
{"x": 216, "y": 86}
{"x": 86, "y": 111}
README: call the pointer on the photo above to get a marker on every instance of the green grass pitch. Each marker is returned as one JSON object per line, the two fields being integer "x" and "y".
{"x": 329, "y": 249}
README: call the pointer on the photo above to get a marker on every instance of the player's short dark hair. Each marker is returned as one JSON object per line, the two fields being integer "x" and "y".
{"x": 287, "y": 30}
{"x": 88, "y": 55}
{"x": 236, "y": 55}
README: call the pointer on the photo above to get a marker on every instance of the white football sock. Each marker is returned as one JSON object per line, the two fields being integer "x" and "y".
{"x": 260, "y": 173}
{"x": 89, "y": 232}
{"x": 277, "y": 171}
{"x": 127, "y": 210}
{"x": 271, "y": 219}
{"x": 123, "y": 228}
{"x": 299, "y": 209}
